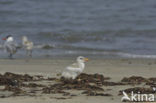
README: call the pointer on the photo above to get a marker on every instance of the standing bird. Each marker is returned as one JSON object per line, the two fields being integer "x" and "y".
{"x": 28, "y": 45}
{"x": 75, "y": 69}
{"x": 10, "y": 45}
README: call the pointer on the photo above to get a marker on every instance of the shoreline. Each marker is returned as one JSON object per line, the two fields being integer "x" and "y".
{"x": 104, "y": 66}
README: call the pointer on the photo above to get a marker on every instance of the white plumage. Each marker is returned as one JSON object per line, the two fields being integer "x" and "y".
{"x": 10, "y": 45}
{"x": 28, "y": 45}
{"x": 75, "y": 69}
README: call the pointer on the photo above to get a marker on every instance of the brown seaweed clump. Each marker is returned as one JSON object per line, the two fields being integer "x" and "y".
{"x": 11, "y": 79}
{"x": 15, "y": 82}
{"x": 151, "y": 82}
{"x": 94, "y": 93}
{"x": 140, "y": 90}
{"x": 134, "y": 80}
{"x": 16, "y": 90}
{"x": 91, "y": 84}
{"x": 83, "y": 78}
{"x": 106, "y": 83}
{"x": 96, "y": 79}
{"x": 26, "y": 85}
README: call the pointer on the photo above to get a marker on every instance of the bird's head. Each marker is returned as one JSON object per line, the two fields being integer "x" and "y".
{"x": 8, "y": 38}
{"x": 24, "y": 39}
{"x": 82, "y": 59}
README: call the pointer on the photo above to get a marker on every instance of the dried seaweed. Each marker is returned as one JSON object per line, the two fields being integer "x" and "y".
{"x": 140, "y": 90}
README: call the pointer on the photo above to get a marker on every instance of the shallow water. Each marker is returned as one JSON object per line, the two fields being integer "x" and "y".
{"x": 124, "y": 28}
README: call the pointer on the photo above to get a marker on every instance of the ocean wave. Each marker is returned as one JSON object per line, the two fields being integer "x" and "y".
{"x": 128, "y": 55}
{"x": 69, "y": 50}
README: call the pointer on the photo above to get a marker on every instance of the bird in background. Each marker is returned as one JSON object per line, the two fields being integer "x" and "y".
{"x": 28, "y": 45}
{"x": 10, "y": 45}
{"x": 72, "y": 71}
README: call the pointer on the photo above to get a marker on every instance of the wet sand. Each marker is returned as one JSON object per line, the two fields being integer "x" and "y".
{"x": 116, "y": 69}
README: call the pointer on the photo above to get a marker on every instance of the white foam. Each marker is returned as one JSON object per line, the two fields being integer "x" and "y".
{"x": 128, "y": 55}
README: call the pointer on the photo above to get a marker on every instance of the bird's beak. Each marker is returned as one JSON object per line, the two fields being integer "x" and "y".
{"x": 4, "y": 39}
{"x": 86, "y": 59}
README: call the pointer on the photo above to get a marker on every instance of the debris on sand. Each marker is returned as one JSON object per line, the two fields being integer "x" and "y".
{"x": 152, "y": 80}
{"x": 11, "y": 79}
{"x": 134, "y": 80}
{"x": 33, "y": 85}
{"x": 90, "y": 83}
{"x": 82, "y": 82}
{"x": 96, "y": 79}
{"x": 15, "y": 82}
{"x": 106, "y": 83}
{"x": 93, "y": 77}
{"x": 53, "y": 89}
{"x": 87, "y": 84}
{"x": 18, "y": 77}
{"x": 94, "y": 93}
{"x": 140, "y": 90}
{"x": 25, "y": 84}
{"x": 16, "y": 90}
{"x": 73, "y": 86}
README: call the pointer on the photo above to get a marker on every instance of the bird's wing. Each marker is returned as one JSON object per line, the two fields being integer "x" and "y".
{"x": 31, "y": 44}
{"x": 11, "y": 47}
{"x": 74, "y": 65}
{"x": 74, "y": 68}
{"x": 28, "y": 45}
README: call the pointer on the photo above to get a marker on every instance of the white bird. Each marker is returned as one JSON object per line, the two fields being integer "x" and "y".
{"x": 10, "y": 45}
{"x": 28, "y": 45}
{"x": 75, "y": 69}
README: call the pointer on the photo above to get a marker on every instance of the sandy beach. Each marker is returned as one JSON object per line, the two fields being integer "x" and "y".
{"x": 116, "y": 69}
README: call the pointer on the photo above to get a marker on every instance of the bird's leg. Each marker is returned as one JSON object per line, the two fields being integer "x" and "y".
{"x": 27, "y": 52}
{"x": 10, "y": 56}
{"x": 27, "y": 56}
{"x": 30, "y": 53}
